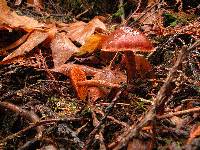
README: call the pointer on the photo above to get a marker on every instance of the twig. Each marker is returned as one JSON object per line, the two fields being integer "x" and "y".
{"x": 182, "y": 112}
{"x": 159, "y": 101}
{"x": 39, "y": 123}
{"x": 141, "y": 16}
{"x": 121, "y": 7}
{"x": 95, "y": 123}
{"x": 30, "y": 115}
{"x": 102, "y": 121}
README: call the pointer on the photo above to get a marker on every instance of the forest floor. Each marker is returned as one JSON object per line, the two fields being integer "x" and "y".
{"x": 41, "y": 105}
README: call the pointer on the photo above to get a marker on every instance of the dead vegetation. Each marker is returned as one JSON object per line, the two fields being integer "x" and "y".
{"x": 80, "y": 75}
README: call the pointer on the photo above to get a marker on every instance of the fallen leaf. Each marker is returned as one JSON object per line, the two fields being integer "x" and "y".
{"x": 110, "y": 78}
{"x": 76, "y": 75}
{"x": 65, "y": 69}
{"x": 38, "y": 4}
{"x": 33, "y": 40}
{"x": 13, "y": 20}
{"x": 3, "y": 51}
{"x": 143, "y": 67}
{"x": 195, "y": 132}
{"x": 92, "y": 43}
{"x": 62, "y": 49}
{"x": 80, "y": 31}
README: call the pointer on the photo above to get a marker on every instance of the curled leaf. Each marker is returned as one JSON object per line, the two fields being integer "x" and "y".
{"x": 3, "y": 51}
{"x": 80, "y": 31}
{"x": 33, "y": 40}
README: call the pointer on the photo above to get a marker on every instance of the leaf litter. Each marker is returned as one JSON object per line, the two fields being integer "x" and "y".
{"x": 94, "y": 105}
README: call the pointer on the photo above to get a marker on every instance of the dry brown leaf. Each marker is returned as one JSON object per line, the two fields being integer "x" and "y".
{"x": 92, "y": 43}
{"x": 143, "y": 66}
{"x": 80, "y": 31}
{"x": 3, "y": 51}
{"x": 33, "y": 40}
{"x": 195, "y": 132}
{"x": 62, "y": 49}
{"x": 76, "y": 74}
{"x": 13, "y": 20}
{"x": 38, "y": 4}
{"x": 137, "y": 144}
{"x": 108, "y": 76}
{"x": 95, "y": 93}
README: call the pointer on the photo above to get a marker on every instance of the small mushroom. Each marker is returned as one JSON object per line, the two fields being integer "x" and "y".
{"x": 129, "y": 41}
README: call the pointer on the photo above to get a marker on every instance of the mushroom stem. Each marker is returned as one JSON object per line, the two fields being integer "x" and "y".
{"x": 130, "y": 66}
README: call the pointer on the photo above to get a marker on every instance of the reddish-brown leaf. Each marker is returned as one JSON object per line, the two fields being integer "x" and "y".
{"x": 33, "y": 40}
{"x": 143, "y": 66}
{"x": 80, "y": 31}
{"x": 62, "y": 49}
{"x": 195, "y": 132}
{"x": 65, "y": 69}
{"x": 76, "y": 74}
{"x": 3, "y": 51}
{"x": 38, "y": 4}
{"x": 106, "y": 78}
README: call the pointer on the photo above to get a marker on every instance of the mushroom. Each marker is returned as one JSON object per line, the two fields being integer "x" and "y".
{"x": 129, "y": 41}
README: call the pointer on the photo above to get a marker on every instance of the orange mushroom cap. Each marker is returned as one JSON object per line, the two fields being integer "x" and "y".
{"x": 127, "y": 39}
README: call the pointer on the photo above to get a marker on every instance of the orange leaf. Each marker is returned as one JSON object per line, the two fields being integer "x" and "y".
{"x": 76, "y": 74}
{"x": 80, "y": 31}
{"x": 92, "y": 43}
{"x": 62, "y": 49}
{"x": 13, "y": 20}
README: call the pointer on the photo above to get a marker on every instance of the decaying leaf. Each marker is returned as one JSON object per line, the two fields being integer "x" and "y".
{"x": 80, "y": 31}
{"x": 76, "y": 74}
{"x": 38, "y": 4}
{"x": 92, "y": 43}
{"x": 112, "y": 78}
{"x": 137, "y": 144}
{"x": 3, "y": 51}
{"x": 195, "y": 132}
{"x": 65, "y": 69}
{"x": 143, "y": 66}
{"x": 95, "y": 93}
{"x": 13, "y": 20}
{"x": 33, "y": 40}
{"x": 62, "y": 49}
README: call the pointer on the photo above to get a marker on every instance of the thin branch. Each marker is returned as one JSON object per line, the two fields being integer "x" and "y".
{"x": 29, "y": 115}
{"x": 102, "y": 121}
{"x": 39, "y": 123}
{"x": 182, "y": 112}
